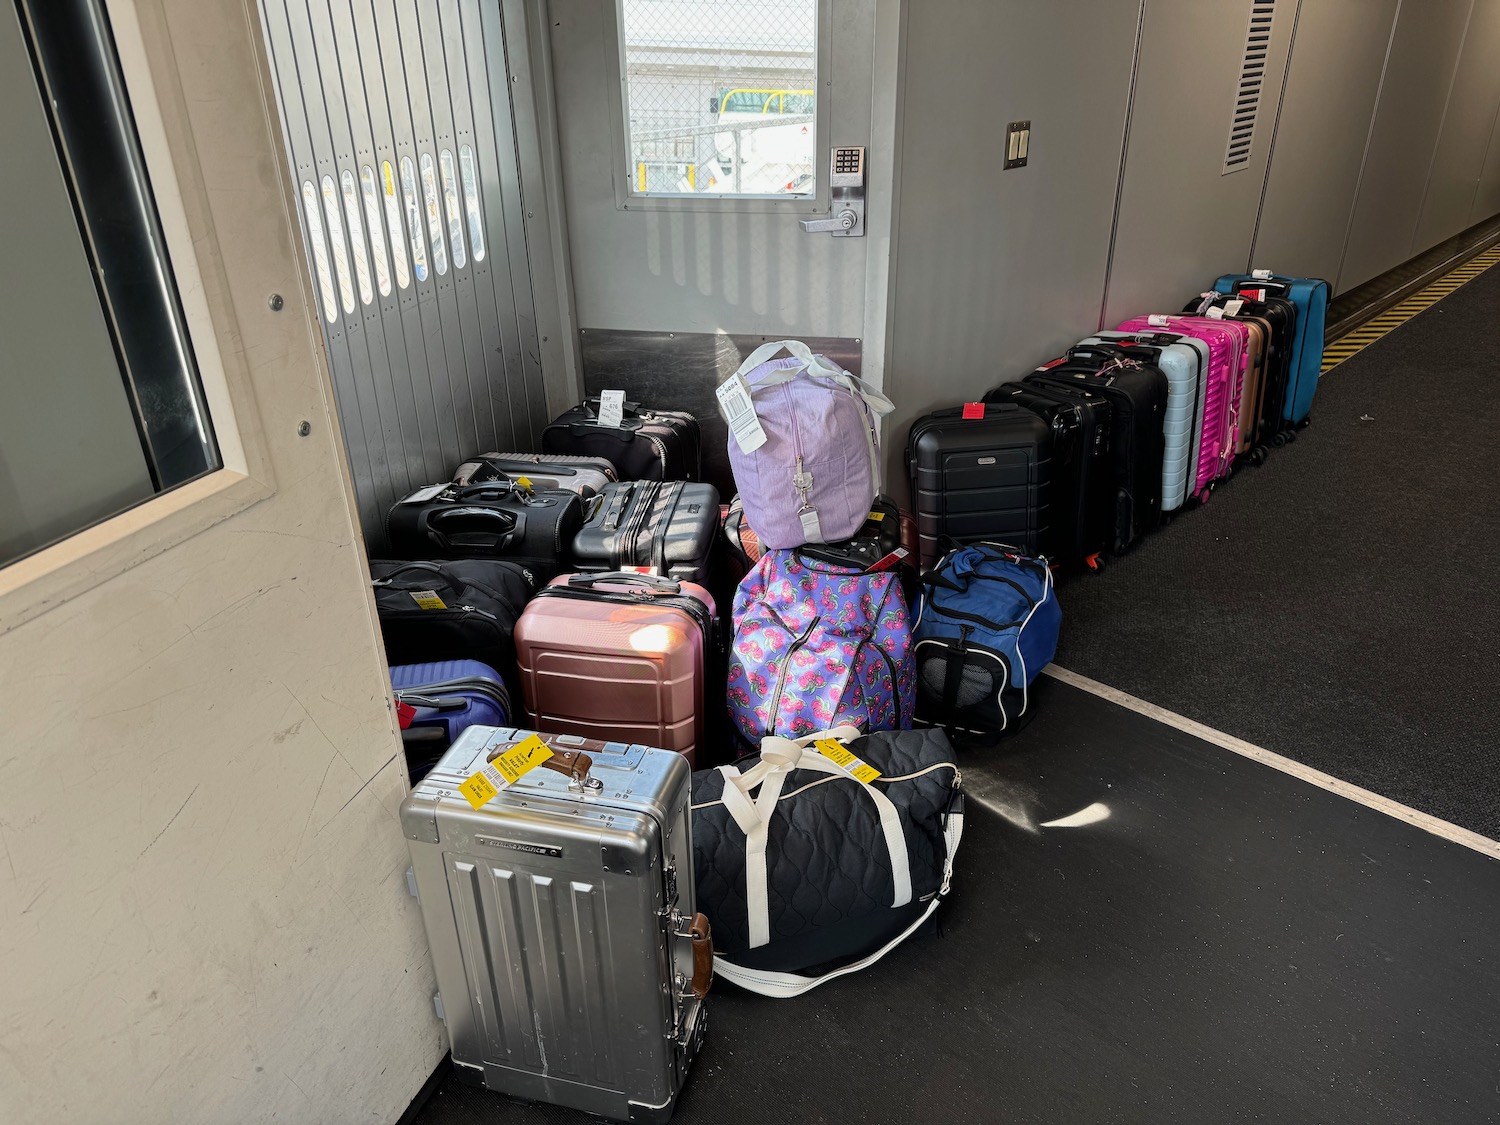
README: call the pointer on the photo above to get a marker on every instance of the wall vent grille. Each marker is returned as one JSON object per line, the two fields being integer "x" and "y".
{"x": 1247, "y": 93}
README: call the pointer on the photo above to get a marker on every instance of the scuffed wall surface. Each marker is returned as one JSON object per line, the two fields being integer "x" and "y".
{"x": 203, "y": 915}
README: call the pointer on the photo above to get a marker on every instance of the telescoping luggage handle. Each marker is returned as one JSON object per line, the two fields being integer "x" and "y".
{"x": 778, "y": 757}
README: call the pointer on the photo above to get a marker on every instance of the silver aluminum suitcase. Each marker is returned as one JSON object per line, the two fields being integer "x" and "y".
{"x": 571, "y": 965}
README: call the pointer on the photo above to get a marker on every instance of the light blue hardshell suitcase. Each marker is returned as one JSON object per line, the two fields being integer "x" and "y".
{"x": 1310, "y": 295}
{"x": 1183, "y": 360}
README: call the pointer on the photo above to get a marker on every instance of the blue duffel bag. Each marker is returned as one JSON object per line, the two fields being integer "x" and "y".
{"x": 987, "y": 626}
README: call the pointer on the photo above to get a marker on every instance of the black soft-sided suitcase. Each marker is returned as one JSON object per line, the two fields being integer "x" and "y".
{"x": 647, "y": 445}
{"x": 988, "y": 477}
{"x": 493, "y": 520}
{"x": 669, "y": 526}
{"x": 1082, "y": 494}
{"x": 1137, "y": 395}
{"x": 453, "y": 609}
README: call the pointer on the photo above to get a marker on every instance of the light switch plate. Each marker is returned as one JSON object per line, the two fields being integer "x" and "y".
{"x": 1017, "y": 144}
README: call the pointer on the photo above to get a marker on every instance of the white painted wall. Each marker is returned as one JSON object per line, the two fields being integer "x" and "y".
{"x": 202, "y": 911}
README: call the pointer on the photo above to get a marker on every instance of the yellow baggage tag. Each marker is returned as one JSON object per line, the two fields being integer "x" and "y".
{"x": 428, "y": 599}
{"x": 878, "y": 517}
{"x": 525, "y": 484}
{"x": 841, "y": 756}
{"x": 507, "y": 769}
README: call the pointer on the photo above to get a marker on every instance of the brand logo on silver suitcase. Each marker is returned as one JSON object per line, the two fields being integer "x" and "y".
{"x": 519, "y": 846}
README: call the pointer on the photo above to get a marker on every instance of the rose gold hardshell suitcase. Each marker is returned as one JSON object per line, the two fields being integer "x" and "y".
{"x": 620, "y": 657}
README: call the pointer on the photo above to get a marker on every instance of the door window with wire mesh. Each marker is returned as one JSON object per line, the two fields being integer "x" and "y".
{"x": 721, "y": 96}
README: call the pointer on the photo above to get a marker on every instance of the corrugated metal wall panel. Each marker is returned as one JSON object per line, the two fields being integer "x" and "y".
{"x": 390, "y": 107}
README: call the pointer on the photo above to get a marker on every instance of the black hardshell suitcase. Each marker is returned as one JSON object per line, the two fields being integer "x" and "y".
{"x": 1137, "y": 394}
{"x": 648, "y": 445}
{"x": 1082, "y": 506}
{"x": 496, "y": 519}
{"x": 669, "y": 526}
{"x": 1281, "y": 314}
{"x": 980, "y": 478}
{"x": 451, "y": 609}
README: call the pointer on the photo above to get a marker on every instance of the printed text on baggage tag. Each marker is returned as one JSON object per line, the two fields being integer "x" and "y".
{"x": 739, "y": 411}
{"x": 611, "y": 408}
{"x": 428, "y": 599}
{"x": 973, "y": 410}
{"x": 507, "y": 769}
{"x": 1232, "y": 308}
{"x": 840, "y": 755}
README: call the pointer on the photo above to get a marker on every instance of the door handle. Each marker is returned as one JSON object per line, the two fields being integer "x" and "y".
{"x": 842, "y": 223}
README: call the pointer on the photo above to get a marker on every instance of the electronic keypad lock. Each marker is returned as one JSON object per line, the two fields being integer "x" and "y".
{"x": 846, "y": 182}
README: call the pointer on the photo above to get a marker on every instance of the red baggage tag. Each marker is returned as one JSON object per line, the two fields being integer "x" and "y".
{"x": 405, "y": 713}
{"x": 888, "y": 561}
{"x": 973, "y": 410}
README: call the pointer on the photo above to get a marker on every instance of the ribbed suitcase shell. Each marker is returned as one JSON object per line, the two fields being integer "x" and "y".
{"x": 1081, "y": 502}
{"x": 1221, "y": 395}
{"x": 980, "y": 479}
{"x": 1136, "y": 391}
{"x": 667, "y": 525}
{"x": 1184, "y": 361}
{"x": 553, "y": 915}
{"x": 617, "y": 660}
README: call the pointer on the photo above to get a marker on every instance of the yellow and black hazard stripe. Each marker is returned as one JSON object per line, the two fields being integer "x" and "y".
{"x": 1398, "y": 314}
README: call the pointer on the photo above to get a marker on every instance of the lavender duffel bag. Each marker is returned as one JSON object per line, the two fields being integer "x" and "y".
{"x": 813, "y": 477}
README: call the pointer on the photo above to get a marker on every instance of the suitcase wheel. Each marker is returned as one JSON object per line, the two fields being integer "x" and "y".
{"x": 1094, "y": 562}
{"x": 1281, "y": 438}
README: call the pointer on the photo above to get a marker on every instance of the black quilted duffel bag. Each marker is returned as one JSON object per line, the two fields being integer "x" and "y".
{"x": 808, "y": 871}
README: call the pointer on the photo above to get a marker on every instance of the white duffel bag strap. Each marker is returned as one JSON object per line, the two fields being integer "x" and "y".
{"x": 778, "y": 758}
{"x": 815, "y": 365}
{"x": 783, "y": 986}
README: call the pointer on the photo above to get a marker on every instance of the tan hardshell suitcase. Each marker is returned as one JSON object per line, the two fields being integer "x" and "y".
{"x": 619, "y": 656}
{"x": 571, "y": 963}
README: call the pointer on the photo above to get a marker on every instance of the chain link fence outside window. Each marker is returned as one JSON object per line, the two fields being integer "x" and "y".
{"x": 721, "y": 95}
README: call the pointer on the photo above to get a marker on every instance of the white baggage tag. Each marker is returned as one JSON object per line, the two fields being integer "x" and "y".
{"x": 422, "y": 495}
{"x": 1262, "y": 275}
{"x": 1232, "y": 308}
{"x": 1156, "y": 320}
{"x": 611, "y": 408}
{"x": 739, "y": 411}
{"x": 1215, "y": 313}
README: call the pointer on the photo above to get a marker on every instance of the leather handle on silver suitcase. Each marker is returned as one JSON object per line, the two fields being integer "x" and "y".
{"x": 703, "y": 954}
{"x": 572, "y": 764}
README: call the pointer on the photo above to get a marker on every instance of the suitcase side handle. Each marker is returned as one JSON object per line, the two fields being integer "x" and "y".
{"x": 702, "y": 938}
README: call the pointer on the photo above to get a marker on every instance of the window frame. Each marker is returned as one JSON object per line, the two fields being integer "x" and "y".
{"x": 47, "y": 578}
{"x": 628, "y": 198}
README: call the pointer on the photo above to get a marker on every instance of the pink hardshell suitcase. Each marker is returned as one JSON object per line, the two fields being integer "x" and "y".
{"x": 1228, "y": 353}
{"x": 620, "y": 657}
